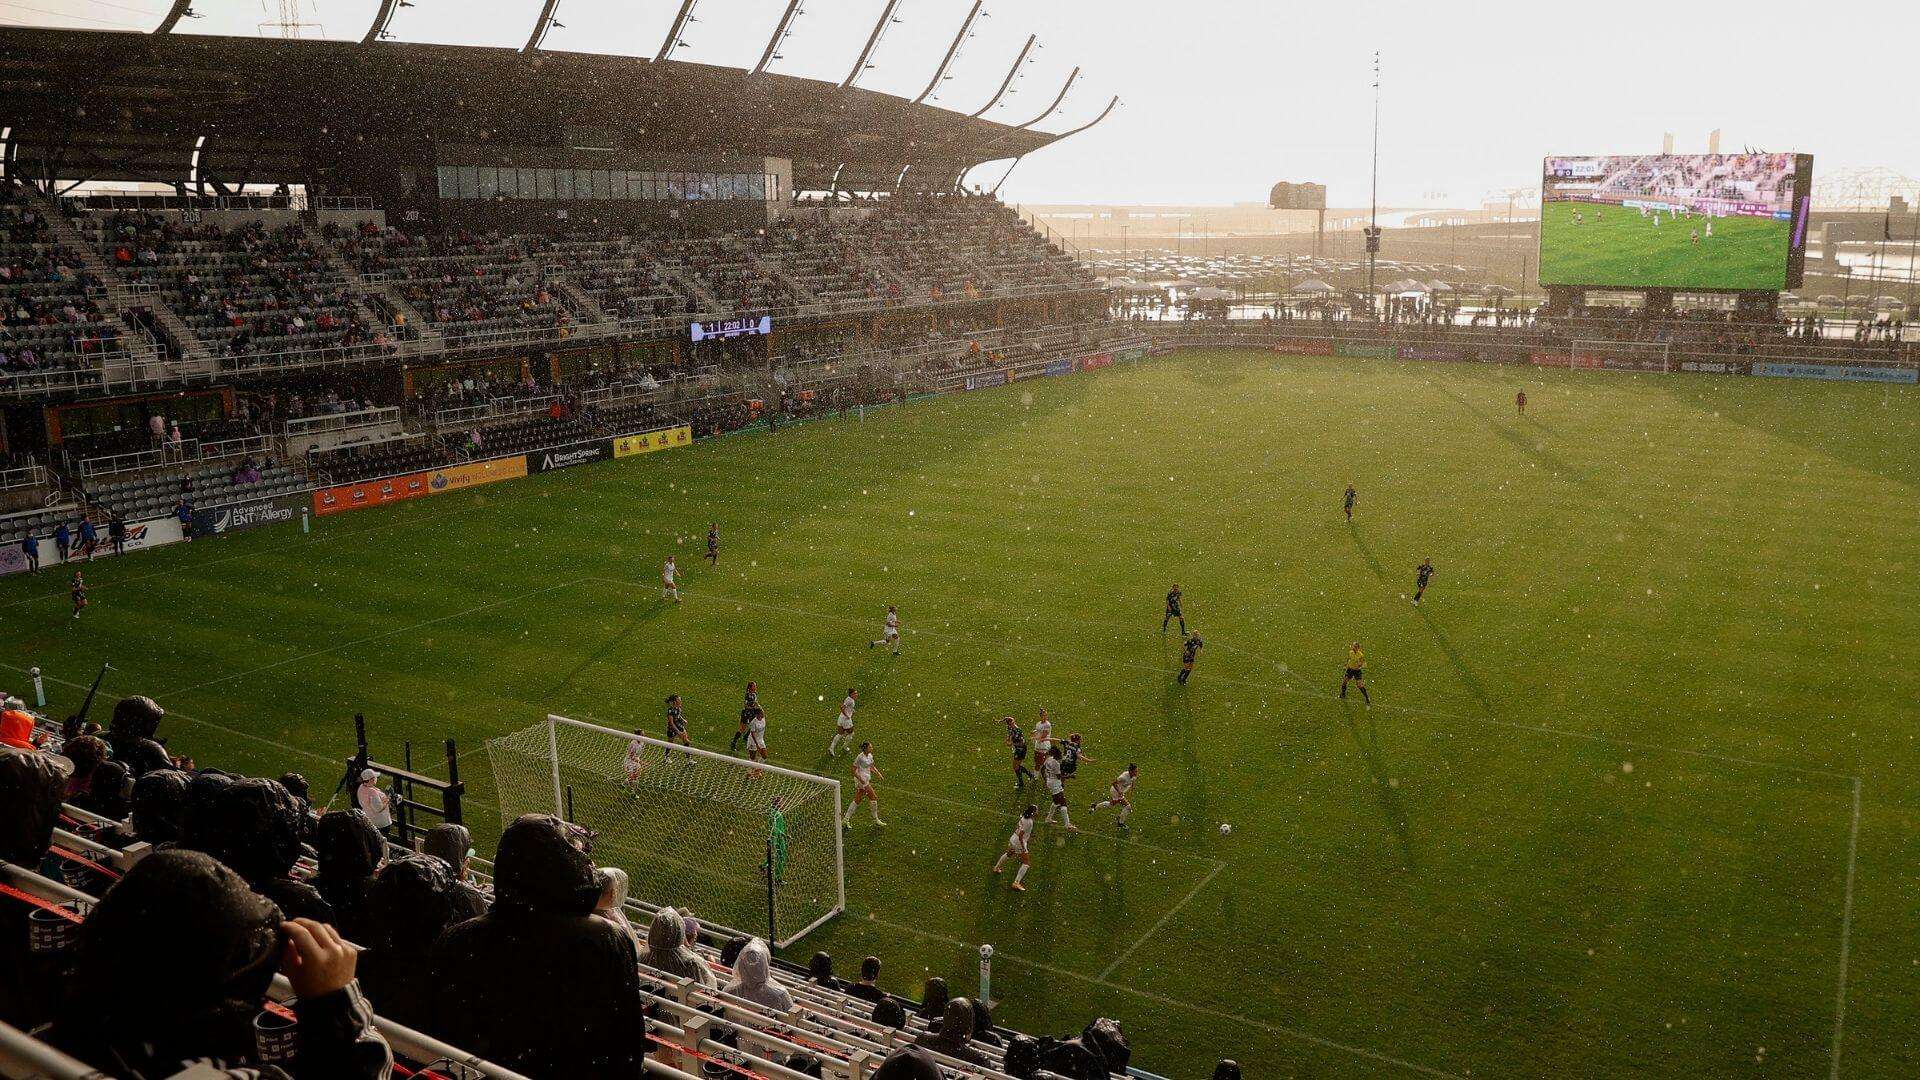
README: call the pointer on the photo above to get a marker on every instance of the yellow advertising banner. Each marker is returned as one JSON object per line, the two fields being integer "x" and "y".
{"x": 647, "y": 442}
{"x": 455, "y": 477}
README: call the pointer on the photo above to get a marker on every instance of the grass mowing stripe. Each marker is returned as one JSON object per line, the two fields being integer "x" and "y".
{"x": 1846, "y": 934}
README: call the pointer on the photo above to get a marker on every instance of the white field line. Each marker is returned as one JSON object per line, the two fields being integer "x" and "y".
{"x": 1294, "y": 1034}
{"x": 1415, "y": 710}
{"x": 1846, "y": 933}
{"x": 475, "y": 610}
{"x": 174, "y": 714}
{"x": 1155, "y": 928}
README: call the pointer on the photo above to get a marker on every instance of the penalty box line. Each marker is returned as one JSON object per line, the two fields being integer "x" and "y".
{"x": 1610, "y": 740}
{"x": 383, "y": 635}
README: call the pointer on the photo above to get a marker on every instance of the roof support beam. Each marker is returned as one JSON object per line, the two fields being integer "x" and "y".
{"x": 1058, "y": 98}
{"x": 381, "y": 19}
{"x": 873, "y": 40}
{"x": 174, "y": 14}
{"x": 1008, "y": 81}
{"x": 779, "y": 34}
{"x": 953, "y": 50}
{"x": 680, "y": 22}
{"x": 547, "y": 22}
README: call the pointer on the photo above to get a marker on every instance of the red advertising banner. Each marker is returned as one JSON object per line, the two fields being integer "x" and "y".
{"x": 335, "y": 500}
{"x": 1097, "y": 360}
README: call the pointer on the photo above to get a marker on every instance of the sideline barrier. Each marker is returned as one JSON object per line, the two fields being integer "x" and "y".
{"x": 556, "y": 458}
{"x": 251, "y": 514}
{"x": 142, "y": 534}
{"x": 1837, "y": 372}
{"x": 649, "y": 441}
{"x": 1363, "y": 351}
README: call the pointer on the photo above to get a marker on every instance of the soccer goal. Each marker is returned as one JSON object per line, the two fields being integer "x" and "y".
{"x": 744, "y": 845}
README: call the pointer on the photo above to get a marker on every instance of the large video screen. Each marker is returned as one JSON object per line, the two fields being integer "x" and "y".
{"x": 1714, "y": 222}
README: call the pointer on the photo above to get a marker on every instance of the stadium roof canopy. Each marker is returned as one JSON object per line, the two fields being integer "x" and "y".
{"x": 89, "y": 105}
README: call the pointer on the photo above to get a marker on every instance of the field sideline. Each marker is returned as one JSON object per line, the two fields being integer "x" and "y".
{"x": 1634, "y": 798}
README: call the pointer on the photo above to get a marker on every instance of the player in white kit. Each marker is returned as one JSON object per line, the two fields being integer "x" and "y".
{"x": 1120, "y": 793}
{"x": 1017, "y": 845}
{"x": 1042, "y": 737}
{"x": 668, "y": 590}
{"x": 890, "y": 634}
{"x": 1056, "y": 781}
{"x": 843, "y": 727}
{"x": 863, "y": 774}
{"x": 757, "y": 736}
{"x": 636, "y": 758}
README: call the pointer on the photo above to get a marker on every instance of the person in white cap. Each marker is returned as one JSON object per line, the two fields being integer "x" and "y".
{"x": 373, "y": 802}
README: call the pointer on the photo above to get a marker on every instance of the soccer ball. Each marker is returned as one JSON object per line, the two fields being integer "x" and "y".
{"x": 1225, "y": 828}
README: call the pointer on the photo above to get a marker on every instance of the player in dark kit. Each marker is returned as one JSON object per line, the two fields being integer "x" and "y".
{"x": 1351, "y": 496}
{"x": 1421, "y": 575}
{"x": 1356, "y": 673}
{"x": 1173, "y": 611}
{"x": 1187, "y": 655}
{"x": 713, "y": 543}
{"x": 751, "y": 706}
{"x": 1520, "y": 402}
{"x": 1018, "y": 740}
{"x": 79, "y": 591}
{"x": 677, "y": 724}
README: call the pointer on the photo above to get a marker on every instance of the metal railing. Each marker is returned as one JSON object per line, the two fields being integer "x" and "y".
{"x": 341, "y": 421}
{"x": 32, "y": 474}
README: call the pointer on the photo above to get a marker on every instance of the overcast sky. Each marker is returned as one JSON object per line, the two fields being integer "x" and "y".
{"x": 1219, "y": 98}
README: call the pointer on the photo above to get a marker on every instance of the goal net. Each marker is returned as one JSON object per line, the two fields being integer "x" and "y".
{"x": 743, "y": 845}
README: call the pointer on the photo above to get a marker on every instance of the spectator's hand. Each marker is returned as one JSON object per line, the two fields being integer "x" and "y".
{"x": 318, "y": 960}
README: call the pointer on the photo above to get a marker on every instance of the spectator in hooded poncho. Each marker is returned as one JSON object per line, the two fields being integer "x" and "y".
{"x": 667, "y": 949}
{"x": 173, "y": 965}
{"x": 539, "y": 984}
{"x": 753, "y": 981}
{"x": 348, "y": 852}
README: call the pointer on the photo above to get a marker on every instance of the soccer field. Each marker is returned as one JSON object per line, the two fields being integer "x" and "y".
{"x": 1635, "y": 796}
{"x": 1619, "y": 247}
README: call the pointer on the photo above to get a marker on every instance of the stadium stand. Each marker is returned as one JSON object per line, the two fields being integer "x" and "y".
{"x": 113, "y": 852}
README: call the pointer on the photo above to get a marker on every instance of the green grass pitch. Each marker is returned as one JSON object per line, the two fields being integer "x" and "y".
{"x": 1618, "y": 247}
{"x": 1636, "y": 796}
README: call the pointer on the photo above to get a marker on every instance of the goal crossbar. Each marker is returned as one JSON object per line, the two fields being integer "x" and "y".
{"x": 741, "y": 842}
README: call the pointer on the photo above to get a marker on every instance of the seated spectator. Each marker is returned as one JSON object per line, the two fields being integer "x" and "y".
{"x": 954, "y": 1036}
{"x": 890, "y": 1014}
{"x": 1227, "y": 1069}
{"x": 411, "y": 904}
{"x": 174, "y": 964}
{"x": 820, "y": 972}
{"x": 612, "y": 905}
{"x": 260, "y": 838}
{"x": 135, "y": 721}
{"x": 983, "y": 1032}
{"x": 667, "y": 949}
{"x": 909, "y": 1063}
{"x": 110, "y": 794}
{"x": 730, "y": 952}
{"x": 348, "y": 851}
{"x": 539, "y": 984}
{"x": 868, "y": 987}
{"x": 453, "y": 845}
{"x": 160, "y": 807}
{"x": 933, "y": 999}
{"x": 752, "y": 979}
{"x": 32, "y": 784}
{"x": 202, "y": 830}
{"x": 86, "y": 753}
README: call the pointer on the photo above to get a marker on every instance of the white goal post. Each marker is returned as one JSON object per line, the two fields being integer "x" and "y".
{"x": 741, "y": 844}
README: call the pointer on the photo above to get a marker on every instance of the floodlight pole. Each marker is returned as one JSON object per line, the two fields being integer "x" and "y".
{"x": 953, "y": 50}
{"x": 1373, "y": 213}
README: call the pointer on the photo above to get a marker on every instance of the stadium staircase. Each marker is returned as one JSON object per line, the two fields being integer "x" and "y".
{"x": 581, "y": 301}
{"x": 808, "y": 300}
{"x": 359, "y": 287}
{"x": 687, "y": 285}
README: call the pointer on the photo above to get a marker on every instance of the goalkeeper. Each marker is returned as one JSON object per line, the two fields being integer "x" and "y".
{"x": 776, "y": 841}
